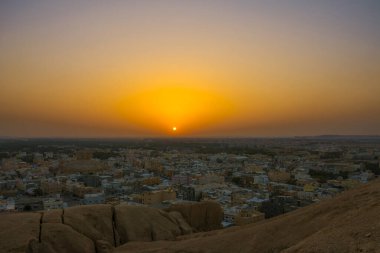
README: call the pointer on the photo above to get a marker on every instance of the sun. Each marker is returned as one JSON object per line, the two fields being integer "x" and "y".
{"x": 174, "y": 129}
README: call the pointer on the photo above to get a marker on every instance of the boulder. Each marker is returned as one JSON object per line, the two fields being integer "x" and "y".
{"x": 185, "y": 228}
{"x": 17, "y": 230}
{"x": 140, "y": 223}
{"x": 61, "y": 238}
{"x": 52, "y": 216}
{"x": 201, "y": 216}
{"x": 93, "y": 221}
{"x": 102, "y": 228}
{"x": 103, "y": 247}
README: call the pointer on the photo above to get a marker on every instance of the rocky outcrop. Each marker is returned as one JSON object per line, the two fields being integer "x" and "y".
{"x": 134, "y": 223}
{"x": 93, "y": 228}
{"x": 348, "y": 223}
{"x": 17, "y": 230}
{"x": 183, "y": 225}
{"x": 201, "y": 216}
{"x": 52, "y": 216}
{"x": 61, "y": 238}
{"x": 93, "y": 221}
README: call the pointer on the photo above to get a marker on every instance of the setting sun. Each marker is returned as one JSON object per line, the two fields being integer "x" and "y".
{"x": 209, "y": 68}
{"x": 195, "y": 108}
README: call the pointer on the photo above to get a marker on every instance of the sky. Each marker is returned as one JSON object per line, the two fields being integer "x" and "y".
{"x": 209, "y": 68}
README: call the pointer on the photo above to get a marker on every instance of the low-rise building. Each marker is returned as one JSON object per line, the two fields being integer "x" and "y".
{"x": 53, "y": 203}
{"x": 156, "y": 197}
{"x": 93, "y": 198}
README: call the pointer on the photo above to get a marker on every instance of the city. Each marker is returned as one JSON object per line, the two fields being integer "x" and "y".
{"x": 252, "y": 179}
{"x": 161, "y": 126}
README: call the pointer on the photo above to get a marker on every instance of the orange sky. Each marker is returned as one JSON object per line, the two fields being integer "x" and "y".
{"x": 209, "y": 68}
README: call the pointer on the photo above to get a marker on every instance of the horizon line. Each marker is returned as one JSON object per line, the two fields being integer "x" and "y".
{"x": 188, "y": 137}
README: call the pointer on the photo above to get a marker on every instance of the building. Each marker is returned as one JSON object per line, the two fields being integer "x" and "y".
{"x": 7, "y": 204}
{"x": 241, "y": 196}
{"x": 29, "y": 204}
{"x": 181, "y": 180}
{"x": 53, "y": 203}
{"x": 261, "y": 179}
{"x": 156, "y": 197}
{"x": 248, "y": 216}
{"x": 51, "y": 187}
{"x": 279, "y": 176}
{"x": 93, "y": 198}
{"x": 80, "y": 190}
{"x": 211, "y": 178}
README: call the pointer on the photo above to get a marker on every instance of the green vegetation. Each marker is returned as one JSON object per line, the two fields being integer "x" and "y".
{"x": 323, "y": 176}
{"x": 103, "y": 155}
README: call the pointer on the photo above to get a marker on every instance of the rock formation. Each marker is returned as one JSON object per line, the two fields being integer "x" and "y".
{"x": 347, "y": 223}
{"x": 16, "y": 230}
{"x": 350, "y": 222}
{"x": 95, "y": 228}
{"x": 203, "y": 216}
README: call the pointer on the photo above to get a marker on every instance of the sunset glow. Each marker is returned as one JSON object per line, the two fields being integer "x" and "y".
{"x": 214, "y": 68}
{"x": 189, "y": 108}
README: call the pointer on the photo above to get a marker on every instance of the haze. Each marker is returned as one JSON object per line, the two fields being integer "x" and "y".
{"x": 208, "y": 68}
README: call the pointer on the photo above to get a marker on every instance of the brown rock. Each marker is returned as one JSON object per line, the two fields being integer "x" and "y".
{"x": 202, "y": 216}
{"x": 185, "y": 228}
{"x": 17, "y": 229}
{"x": 103, "y": 246}
{"x": 52, "y": 216}
{"x": 347, "y": 223}
{"x": 139, "y": 223}
{"x": 93, "y": 221}
{"x": 60, "y": 238}
{"x": 336, "y": 225}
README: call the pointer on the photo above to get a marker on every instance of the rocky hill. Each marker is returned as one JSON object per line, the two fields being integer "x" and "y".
{"x": 101, "y": 228}
{"x": 348, "y": 223}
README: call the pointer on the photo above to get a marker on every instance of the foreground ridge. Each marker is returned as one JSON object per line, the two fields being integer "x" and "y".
{"x": 101, "y": 228}
{"x": 347, "y": 223}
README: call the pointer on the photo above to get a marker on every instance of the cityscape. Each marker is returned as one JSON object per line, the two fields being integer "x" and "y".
{"x": 161, "y": 126}
{"x": 252, "y": 179}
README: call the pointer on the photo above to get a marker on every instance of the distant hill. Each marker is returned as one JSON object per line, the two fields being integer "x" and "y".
{"x": 341, "y": 137}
